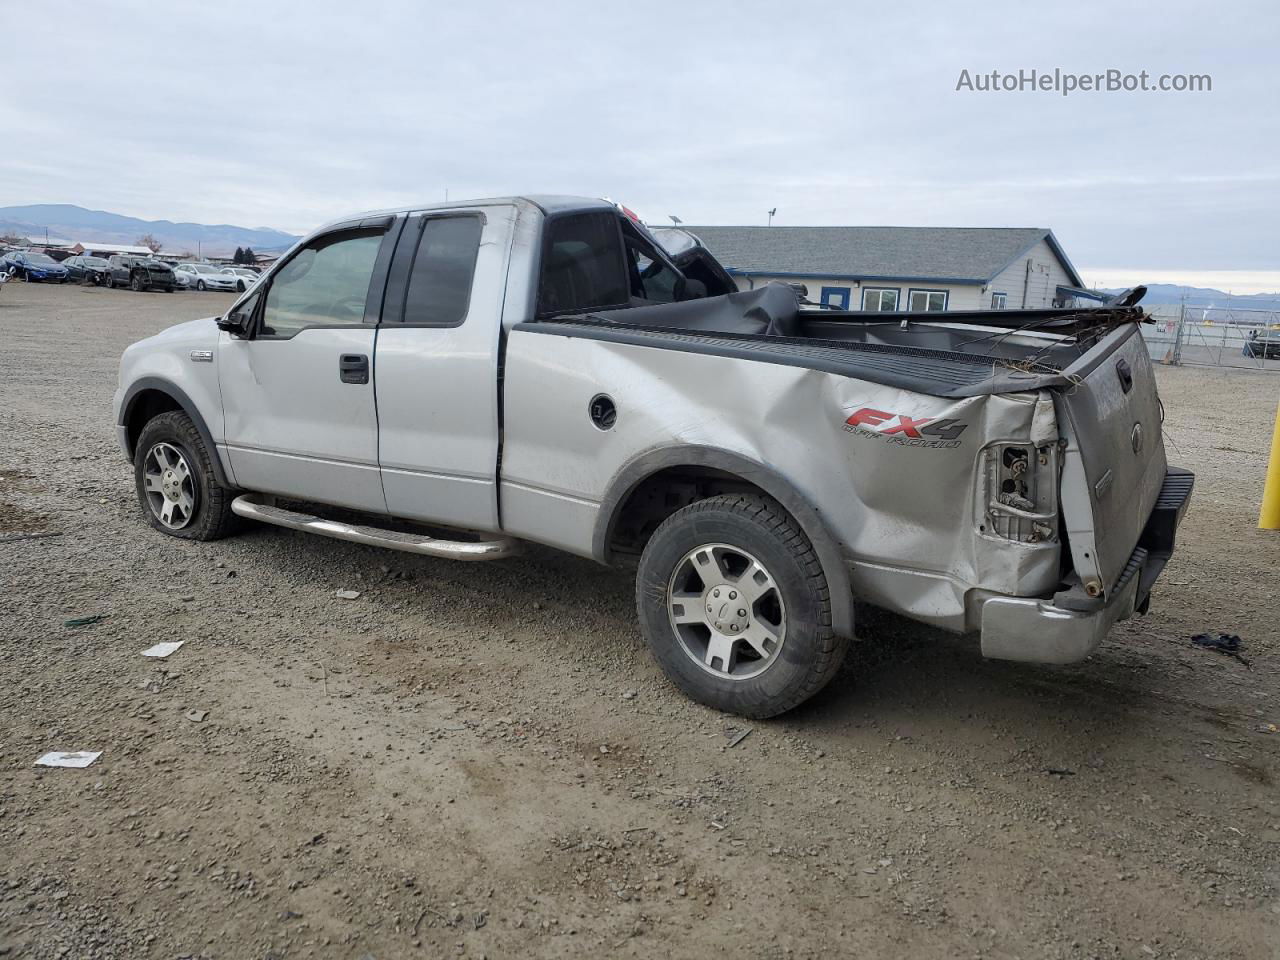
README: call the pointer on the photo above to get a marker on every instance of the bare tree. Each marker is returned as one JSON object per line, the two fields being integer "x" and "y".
{"x": 150, "y": 242}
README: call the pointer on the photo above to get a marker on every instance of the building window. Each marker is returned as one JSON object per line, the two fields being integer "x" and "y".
{"x": 878, "y": 299}
{"x": 998, "y": 301}
{"x": 924, "y": 301}
{"x": 836, "y": 297}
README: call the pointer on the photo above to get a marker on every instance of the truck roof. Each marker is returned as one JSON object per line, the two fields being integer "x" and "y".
{"x": 546, "y": 202}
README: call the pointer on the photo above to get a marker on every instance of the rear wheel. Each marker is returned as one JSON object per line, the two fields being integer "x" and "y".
{"x": 177, "y": 487}
{"x": 735, "y": 606}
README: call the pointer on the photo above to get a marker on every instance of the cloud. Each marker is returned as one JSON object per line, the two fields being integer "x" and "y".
{"x": 290, "y": 114}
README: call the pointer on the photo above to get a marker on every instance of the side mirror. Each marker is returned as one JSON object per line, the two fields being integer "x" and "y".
{"x": 236, "y": 323}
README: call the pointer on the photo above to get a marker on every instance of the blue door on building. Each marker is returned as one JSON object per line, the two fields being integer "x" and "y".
{"x": 835, "y": 297}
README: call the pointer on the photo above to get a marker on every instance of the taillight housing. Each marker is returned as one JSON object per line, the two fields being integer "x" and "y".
{"x": 1020, "y": 492}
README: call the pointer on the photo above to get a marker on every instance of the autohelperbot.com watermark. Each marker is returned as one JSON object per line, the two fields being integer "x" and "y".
{"x": 1065, "y": 83}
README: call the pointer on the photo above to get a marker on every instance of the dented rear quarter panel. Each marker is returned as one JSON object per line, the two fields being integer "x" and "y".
{"x": 904, "y": 509}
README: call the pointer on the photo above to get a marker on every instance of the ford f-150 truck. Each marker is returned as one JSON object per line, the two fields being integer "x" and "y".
{"x": 455, "y": 380}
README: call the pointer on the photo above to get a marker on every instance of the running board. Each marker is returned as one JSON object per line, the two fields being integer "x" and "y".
{"x": 251, "y": 506}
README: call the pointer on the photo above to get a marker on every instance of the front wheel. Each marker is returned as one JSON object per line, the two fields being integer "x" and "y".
{"x": 137, "y": 284}
{"x": 177, "y": 488}
{"x": 734, "y": 604}
{"x": 200, "y": 285}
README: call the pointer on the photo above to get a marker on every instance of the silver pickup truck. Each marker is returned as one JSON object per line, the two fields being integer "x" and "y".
{"x": 454, "y": 380}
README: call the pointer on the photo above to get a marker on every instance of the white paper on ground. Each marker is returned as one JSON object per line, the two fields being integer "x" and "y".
{"x": 60, "y": 758}
{"x": 163, "y": 650}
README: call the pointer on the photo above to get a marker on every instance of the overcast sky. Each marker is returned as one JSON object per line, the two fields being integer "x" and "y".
{"x": 288, "y": 114}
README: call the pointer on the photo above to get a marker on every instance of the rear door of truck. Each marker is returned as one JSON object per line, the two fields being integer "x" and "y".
{"x": 437, "y": 366}
{"x": 1115, "y": 462}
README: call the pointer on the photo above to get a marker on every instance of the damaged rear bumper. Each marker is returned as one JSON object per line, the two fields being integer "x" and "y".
{"x": 1069, "y": 626}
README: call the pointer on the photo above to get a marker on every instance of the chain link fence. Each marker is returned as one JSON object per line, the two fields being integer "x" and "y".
{"x": 1214, "y": 336}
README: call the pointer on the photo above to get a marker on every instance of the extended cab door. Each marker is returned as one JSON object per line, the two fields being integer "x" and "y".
{"x": 297, "y": 391}
{"x": 437, "y": 383}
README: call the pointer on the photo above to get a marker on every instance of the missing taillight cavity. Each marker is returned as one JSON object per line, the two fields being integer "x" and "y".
{"x": 1021, "y": 492}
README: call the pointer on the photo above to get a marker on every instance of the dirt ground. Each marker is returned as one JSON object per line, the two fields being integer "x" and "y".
{"x": 483, "y": 761}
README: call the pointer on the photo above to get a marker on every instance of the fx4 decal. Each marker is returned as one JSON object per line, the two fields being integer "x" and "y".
{"x": 899, "y": 428}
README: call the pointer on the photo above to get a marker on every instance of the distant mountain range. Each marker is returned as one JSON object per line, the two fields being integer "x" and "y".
{"x": 1165, "y": 293}
{"x": 64, "y": 221}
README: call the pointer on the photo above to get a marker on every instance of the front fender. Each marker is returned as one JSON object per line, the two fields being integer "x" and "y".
{"x": 142, "y": 387}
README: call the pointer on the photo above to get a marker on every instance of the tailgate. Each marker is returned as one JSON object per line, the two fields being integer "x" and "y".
{"x": 1114, "y": 465}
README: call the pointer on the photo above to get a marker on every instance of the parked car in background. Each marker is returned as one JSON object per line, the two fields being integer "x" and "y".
{"x": 205, "y": 276}
{"x": 33, "y": 266}
{"x": 245, "y": 277}
{"x": 81, "y": 269}
{"x": 140, "y": 273}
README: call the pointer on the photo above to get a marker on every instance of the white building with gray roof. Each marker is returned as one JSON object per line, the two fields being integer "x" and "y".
{"x": 905, "y": 268}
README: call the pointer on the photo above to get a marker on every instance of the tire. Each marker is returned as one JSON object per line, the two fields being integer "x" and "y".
{"x": 200, "y": 285}
{"x": 136, "y": 283}
{"x": 240, "y": 287}
{"x": 209, "y": 516}
{"x": 168, "y": 289}
{"x": 110, "y": 281}
{"x": 719, "y": 535}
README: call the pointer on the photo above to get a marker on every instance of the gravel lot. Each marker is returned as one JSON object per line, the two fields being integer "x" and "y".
{"x": 484, "y": 761}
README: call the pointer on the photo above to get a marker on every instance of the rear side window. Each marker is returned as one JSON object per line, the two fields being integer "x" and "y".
{"x": 443, "y": 268}
{"x": 582, "y": 267}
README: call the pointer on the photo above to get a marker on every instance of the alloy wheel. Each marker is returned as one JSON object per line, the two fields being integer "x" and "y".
{"x": 727, "y": 611}
{"x": 169, "y": 485}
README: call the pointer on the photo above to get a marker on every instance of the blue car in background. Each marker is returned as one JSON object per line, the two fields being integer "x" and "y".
{"x": 33, "y": 266}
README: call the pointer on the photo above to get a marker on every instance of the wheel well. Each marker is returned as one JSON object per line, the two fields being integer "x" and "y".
{"x": 146, "y": 406}
{"x": 661, "y": 494}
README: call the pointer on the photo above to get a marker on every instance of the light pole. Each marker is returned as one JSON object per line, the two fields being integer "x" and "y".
{"x": 771, "y": 213}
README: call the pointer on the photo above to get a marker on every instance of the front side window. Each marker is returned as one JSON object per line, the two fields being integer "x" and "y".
{"x": 324, "y": 285}
{"x": 582, "y": 265}
{"x": 443, "y": 267}
{"x": 923, "y": 301}
{"x": 879, "y": 299}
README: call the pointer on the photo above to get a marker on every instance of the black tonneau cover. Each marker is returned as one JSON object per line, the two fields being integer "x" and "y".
{"x": 926, "y": 352}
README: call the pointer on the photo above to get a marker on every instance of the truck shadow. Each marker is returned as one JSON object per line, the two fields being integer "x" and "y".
{"x": 898, "y": 675}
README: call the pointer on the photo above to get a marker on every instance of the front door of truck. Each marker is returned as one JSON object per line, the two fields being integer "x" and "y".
{"x": 437, "y": 386}
{"x": 297, "y": 391}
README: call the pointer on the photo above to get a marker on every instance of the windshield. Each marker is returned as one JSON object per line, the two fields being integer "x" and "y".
{"x": 202, "y": 267}
{"x": 93, "y": 262}
{"x": 40, "y": 258}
